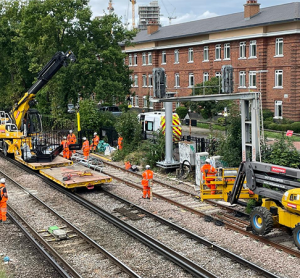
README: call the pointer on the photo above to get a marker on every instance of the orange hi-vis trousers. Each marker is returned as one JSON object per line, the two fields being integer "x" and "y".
{"x": 146, "y": 188}
{"x": 3, "y": 210}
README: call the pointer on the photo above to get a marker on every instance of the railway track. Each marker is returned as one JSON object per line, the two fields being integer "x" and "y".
{"x": 212, "y": 211}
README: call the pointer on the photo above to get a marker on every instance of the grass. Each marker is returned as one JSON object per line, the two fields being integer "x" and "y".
{"x": 2, "y": 272}
{"x": 278, "y": 135}
{"x": 207, "y": 126}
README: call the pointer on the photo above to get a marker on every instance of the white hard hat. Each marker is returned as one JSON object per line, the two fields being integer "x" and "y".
{"x": 84, "y": 138}
{"x": 95, "y": 133}
{"x": 64, "y": 137}
{"x": 147, "y": 166}
{"x": 2, "y": 180}
{"x": 70, "y": 130}
{"x": 207, "y": 160}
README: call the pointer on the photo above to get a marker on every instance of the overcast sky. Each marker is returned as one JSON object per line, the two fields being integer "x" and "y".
{"x": 183, "y": 10}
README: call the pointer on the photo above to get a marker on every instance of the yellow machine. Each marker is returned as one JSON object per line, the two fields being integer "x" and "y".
{"x": 23, "y": 122}
{"x": 279, "y": 188}
{"x": 220, "y": 186}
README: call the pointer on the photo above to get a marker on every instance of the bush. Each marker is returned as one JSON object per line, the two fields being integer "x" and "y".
{"x": 267, "y": 114}
{"x": 181, "y": 111}
{"x": 267, "y": 124}
{"x": 295, "y": 127}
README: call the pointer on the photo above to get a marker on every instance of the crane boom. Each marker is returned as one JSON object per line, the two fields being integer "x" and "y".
{"x": 133, "y": 2}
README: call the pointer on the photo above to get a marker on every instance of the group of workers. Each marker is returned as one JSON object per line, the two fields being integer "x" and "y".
{"x": 86, "y": 147}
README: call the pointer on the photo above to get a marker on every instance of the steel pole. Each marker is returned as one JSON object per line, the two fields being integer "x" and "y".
{"x": 169, "y": 133}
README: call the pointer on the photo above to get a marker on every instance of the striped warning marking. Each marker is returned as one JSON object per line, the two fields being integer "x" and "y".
{"x": 176, "y": 127}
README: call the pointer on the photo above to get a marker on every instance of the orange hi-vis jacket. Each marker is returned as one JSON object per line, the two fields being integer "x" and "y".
{"x": 127, "y": 165}
{"x": 2, "y": 197}
{"x": 65, "y": 145}
{"x": 208, "y": 171}
{"x": 96, "y": 140}
{"x": 147, "y": 175}
{"x": 85, "y": 146}
{"x": 71, "y": 138}
{"x": 120, "y": 143}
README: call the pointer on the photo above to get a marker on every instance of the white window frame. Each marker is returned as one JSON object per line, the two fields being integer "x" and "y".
{"x": 149, "y": 58}
{"x": 144, "y": 78}
{"x": 218, "y": 52}
{"x": 144, "y": 62}
{"x": 176, "y": 56}
{"x": 279, "y": 47}
{"x": 252, "y": 49}
{"x": 145, "y": 101}
{"x": 150, "y": 103}
{"x": 130, "y": 60}
{"x": 218, "y": 74}
{"x": 242, "y": 52}
{"x": 166, "y": 80}
{"x": 242, "y": 79}
{"x": 163, "y": 57}
{"x": 226, "y": 51}
{"x": 178, "y": 104}
{"x": 135, "y": 59}
{"x": 205, "y": 54}
{"x": 191, "y": 55}
{"x": 278, "y": 109}
{"x": 191, "y": 80}
{"x": 136, "y": 81}
{"x": 177, "y": 80}
{"x": 278, "y": 79}
{"x": 150, "y": 80}
{"x": 136, "y": 101}
{"x": 131, "y": 101}
{"x": 205, "y": 76}
{"x": 252, "y": 79}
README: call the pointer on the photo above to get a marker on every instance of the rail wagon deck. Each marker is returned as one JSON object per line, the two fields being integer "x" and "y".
{"x": 75, "y": 176}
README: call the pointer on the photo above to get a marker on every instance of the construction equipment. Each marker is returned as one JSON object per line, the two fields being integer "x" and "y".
{"x": 279, "y": 188}
{"x": 133, "y": 2}
{"x": 18, "y": 127}
{"x": 55, "y": 233}
{"x": 68, "y": 175}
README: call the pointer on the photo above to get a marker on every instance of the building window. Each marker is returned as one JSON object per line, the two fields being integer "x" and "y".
{"x": 242, "y": 50}
{"x": 191, "y": 80}
{"x": 130, "y": 60}
{"x": 130, "y": 78}
{"x": 205, "y": 53}
{"x": 218, "y": 74}
{"x": 136, "y": 84}
{"x": 191, "y": 55}
{"x": 176, "y": 56}
{"x": 242, "y": 79}
{"x": 164, "y": 57}
{"x": 149, "y": 58}
{"x": 166, "y": 81}
{"x": 177, "y": 104}
{"x": 252, "y": 79}
{"x": 150, "y": 80}
{"x": 226, "y": 51}
{"x": 252, "y": 50}
{"x": 279, "y": 47}
{"x": 131, "y": 101}
{"x": 150, "y": 103}
{"x": 136, "y": 101}
{"x": 135, "y": 58}
{"x": 278, "y": 78}
{"x": 278, "y": 109}
{"x": 218, "y": 52}
{"x": 145, "y": 104}
{"x": 144, "y": 80}
{"x": 205, "y": 76}
{"x": 177, "y": 83}
{"x": 144, "y": 59}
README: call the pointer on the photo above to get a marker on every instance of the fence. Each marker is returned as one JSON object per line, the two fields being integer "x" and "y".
{"x": 203, "y": 144}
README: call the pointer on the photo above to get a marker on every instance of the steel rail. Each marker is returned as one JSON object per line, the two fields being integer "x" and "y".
{"x": 44, "y": 246}
{"x": 116, "y": 261}
{"x": 196, "y": 237}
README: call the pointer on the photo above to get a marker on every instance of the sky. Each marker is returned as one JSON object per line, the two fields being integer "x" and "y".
{"x": 183, "y": 10}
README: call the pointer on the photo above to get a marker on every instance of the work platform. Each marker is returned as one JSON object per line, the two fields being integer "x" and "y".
{"x": 56, "y": 162}
{"x": 77, "y": 175}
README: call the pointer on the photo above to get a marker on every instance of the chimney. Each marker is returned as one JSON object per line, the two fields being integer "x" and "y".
{"x": 152, "y": 27}
{"x": 251, "y": 8}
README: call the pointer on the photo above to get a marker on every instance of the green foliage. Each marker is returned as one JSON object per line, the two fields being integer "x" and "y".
{"x": 181, "y": 111}
{"x": 208, "y": 108}
{"x": 230, "y": 146}
{"x": 295, "y": 127}
{"x": 281, "y": 153}
{"x": 130, "y": 129}
{"x": 267, "y": 114}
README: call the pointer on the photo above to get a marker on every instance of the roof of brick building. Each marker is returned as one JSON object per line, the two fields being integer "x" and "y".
{"x": 270, "y": 15}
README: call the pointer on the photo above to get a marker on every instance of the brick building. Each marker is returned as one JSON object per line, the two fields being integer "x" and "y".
{"x": 262, "y": 45}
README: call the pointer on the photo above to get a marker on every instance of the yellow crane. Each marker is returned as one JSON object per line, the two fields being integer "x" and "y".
{"x": 133, "y": 2}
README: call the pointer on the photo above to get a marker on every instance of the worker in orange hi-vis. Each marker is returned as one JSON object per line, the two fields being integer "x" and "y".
{"x": 66, "y": 150}
{"x": 85, "y": 148}
{"x": 127, "y": 165}
{"x": 146, "y": 183}
{"x": 95, "y": 142}
{"x": 3, "y": 200}
{"x": 71, "y": 139}
{"x": 209, "y": 173}
{"x": 120, "y": 142}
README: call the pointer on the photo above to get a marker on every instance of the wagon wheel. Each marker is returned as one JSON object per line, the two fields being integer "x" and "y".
{"x": 185, "y": 169}
{"x": 5, "y": 148}
{"x": 296, "y": 235}
{"x": 261, "y": 221}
